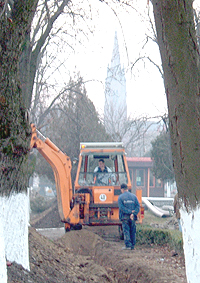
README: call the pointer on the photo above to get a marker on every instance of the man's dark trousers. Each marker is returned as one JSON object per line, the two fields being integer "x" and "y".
{"x": 129, "y": 230}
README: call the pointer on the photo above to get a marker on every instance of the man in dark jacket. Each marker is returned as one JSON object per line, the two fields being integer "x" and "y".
{"x": 128, "y": 209}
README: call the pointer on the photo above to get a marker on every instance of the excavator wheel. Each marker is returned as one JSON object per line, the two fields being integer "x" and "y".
{"x": 76, "y": 227}
{"x": 67, "y": 230}
{"x": 67, "y": 227}
{"x": 73, "y": 227}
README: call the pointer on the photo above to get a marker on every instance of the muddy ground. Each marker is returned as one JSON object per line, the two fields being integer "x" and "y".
{"x": 93, "y": 254}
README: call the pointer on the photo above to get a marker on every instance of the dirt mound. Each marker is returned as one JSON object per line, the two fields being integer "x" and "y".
{"x": 145, "y": 264}
{"x": 93, "y": 254}
{"x": 54, "y": 263}
{"x": 83, "y": 256}
{"x": 82, "y": 242}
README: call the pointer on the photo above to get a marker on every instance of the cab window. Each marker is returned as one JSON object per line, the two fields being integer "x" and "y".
{"x": 113, "y": 161}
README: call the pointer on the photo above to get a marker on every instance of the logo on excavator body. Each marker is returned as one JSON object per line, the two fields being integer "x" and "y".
{"x": 102, "y": 197}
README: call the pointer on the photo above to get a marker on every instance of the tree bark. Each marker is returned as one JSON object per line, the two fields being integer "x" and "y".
{"x": 14, "y": 127}
{"x": 180, "y": 59}
{"x": 15, "y": 23}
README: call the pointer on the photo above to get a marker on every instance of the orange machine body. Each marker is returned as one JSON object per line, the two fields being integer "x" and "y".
{"x": 94, "y": 200}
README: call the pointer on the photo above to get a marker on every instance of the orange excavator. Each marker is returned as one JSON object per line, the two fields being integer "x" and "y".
{"x": 93, "y": 200}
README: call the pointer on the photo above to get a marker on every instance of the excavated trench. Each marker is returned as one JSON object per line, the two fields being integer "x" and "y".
{"x": 93, "y": 254}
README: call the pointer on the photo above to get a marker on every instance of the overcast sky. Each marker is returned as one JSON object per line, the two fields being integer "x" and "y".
{"x": 145, "y": 90}
{"x": 92, "y": 55}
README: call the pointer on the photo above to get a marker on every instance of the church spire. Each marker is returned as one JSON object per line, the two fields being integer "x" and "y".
{"x": 115, "y": 108}
{"x": 115, "y": 61}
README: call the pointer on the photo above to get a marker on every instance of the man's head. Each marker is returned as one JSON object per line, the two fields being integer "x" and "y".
{"x": 101, "y": 164}
{"x": 124, "y": 187}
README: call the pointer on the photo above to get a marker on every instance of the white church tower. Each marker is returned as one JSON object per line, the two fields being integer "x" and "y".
{"x": 115, "y": 108}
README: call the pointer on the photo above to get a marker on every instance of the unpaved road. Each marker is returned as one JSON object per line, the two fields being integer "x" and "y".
{"x": 93, "y": 254}
{"x": 144, "y": 264}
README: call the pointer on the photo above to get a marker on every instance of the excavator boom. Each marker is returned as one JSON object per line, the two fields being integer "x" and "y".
{"x": 61, "y": 165}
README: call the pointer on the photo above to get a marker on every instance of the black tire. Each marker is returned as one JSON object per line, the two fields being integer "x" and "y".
{"x": 73, "y": 227}
{"x": 76, "y": 227}
{"x": 121, "y": 234}
{"x": 67, "y": 230}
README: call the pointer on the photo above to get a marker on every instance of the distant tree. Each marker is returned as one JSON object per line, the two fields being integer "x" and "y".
{"x": 130, "y": 131}
{"x": 71, "y": 121}
{"x": 35, "y": 43}
{"x": 162, "y": 157}
{"x": 46, "y": 30}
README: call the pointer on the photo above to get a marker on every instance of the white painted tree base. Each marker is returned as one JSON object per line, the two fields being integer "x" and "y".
{"x": 14, "y": 221}
{"x": 191, "y": 244}
{"x": 3, "y": 270}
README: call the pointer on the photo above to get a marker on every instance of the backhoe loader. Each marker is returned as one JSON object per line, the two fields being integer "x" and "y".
{"x": 93, "y": 200}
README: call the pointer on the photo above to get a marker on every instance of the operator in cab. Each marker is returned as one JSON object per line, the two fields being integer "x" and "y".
{"x": 101, "y": 173}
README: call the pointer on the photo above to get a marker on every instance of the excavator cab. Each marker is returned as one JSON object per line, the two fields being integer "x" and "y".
{"x": 96, "y": 193}
{"x": 116, "y": 173}
{"x": 115, "y": 170}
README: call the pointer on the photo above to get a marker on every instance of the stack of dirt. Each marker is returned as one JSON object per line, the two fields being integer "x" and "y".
{"x": 54, "y": 263}
{"x": 150, "y": 264}
{"x": 84, "y": 256}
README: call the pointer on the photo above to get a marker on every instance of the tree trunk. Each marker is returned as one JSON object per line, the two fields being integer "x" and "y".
{"x": 14, "y": 127}
{"x": 179, "y": 52}
{"x": 28, "y": 67}
{"x": 15, "y": 132}
{"x": 180, "y": 59}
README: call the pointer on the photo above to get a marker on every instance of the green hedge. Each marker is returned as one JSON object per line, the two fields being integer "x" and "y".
{"x": 147, "y": 235}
